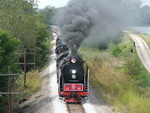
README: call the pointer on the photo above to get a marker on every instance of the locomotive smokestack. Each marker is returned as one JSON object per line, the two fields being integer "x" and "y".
{"x": 73, "y": 47}
{"x": 73, "y": 51}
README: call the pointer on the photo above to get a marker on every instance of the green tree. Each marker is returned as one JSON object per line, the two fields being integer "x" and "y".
{"x": 42, "y": 44}
{"x": 48, "y": 14}
{"x": 8, "y": 45}
{"x": 21, "y": 19}
{"x": 18, "y": 18}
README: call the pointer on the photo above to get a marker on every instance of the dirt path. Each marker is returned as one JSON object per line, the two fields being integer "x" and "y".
{"x": 46, "y": 99}
{"x": 142, "y": 49}
{"x": 39, "y": 102}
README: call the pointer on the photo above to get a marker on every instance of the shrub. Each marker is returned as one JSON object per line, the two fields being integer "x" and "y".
{"x": 33, "y": 83}
{"x": 116, "y": 51}
{"x": 117, "y": 88}
{"x": 133, "y": 66}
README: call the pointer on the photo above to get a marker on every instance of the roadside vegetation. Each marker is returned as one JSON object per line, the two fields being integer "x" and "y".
{"x": 33, "y": 84}
{"x": 22, "y": 26}
{"x": 118, "y": 75}
{"x": 7, "y": 58}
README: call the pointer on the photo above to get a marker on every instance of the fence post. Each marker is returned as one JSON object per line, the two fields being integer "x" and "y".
{"x": 34, "y": 56}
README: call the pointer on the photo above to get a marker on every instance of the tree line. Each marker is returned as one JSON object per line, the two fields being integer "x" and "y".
{"x": 22, "y": 26}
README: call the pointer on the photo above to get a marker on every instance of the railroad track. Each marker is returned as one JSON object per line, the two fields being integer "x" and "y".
{"x": 75, "y": 108}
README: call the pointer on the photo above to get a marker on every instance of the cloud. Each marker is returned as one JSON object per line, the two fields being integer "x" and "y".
{"x": 55, "y": 3}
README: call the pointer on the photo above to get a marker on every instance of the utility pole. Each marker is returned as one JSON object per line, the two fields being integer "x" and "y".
{"x": 9, "y": 90}
{"x": 25, "y": 63}
{"x": 25, "y": 67}
{"x": 34, "y": 56}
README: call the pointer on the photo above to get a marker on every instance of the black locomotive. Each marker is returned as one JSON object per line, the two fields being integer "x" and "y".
{"x": 72, "y": 74}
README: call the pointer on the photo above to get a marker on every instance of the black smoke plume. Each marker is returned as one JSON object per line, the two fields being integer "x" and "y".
{"x": 96, "y": 19}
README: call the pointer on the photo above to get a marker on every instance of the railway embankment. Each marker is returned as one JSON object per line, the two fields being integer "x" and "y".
{"x": 118, "y": 76}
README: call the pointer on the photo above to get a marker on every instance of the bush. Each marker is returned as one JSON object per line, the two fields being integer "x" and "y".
{"x": 116, "y": 51}
{"x": 133, "y": 66}
{"x": 43, "y": 45}
{"x": 144, "y": 80}
{"x": 33, "y": 81}
{"x": 8, "y": 45}
{"x": 33, "y": 84}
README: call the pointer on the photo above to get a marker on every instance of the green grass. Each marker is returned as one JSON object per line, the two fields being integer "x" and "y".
{"x": 108, "y": 75}
{"x": 33, "y": 84}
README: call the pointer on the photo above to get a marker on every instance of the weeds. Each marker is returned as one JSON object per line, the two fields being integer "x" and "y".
{"x": 33, "y": 84}
{"x": 115, "y": 80}
{"x": 133, "y": 66}
{"x": 116, "y": 51}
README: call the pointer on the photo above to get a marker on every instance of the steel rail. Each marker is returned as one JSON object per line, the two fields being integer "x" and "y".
{"x": 75, "y": 108}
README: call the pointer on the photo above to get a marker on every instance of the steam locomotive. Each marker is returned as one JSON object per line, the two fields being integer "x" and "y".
{"x": 72, "y": 74}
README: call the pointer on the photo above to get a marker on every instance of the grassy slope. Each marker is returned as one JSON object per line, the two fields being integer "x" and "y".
{"x": 33, "y": 78}
{"x": 33, "y": 84}
{"x": 109, "y": 75}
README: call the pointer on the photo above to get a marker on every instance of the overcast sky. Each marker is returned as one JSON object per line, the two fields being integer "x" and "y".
{"x": 55, "y": 3}
{"x": 146, "y": 2}
{"x": 61, "y": 3}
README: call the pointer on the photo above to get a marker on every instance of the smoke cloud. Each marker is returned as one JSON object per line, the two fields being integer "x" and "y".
{"x": 94, "y": 20}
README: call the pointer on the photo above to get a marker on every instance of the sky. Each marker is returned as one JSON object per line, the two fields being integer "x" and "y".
{"x": 146, "y": 2}
{"x": 61, "y": 3}
{"x": 55, "y": 3}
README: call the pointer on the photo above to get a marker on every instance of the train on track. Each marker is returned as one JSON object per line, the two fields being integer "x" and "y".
{"x": 72, "y": 74}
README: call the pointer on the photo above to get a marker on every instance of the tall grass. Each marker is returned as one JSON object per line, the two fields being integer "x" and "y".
{"x": 127, "y": 92}
{"x": 33, "y": 83}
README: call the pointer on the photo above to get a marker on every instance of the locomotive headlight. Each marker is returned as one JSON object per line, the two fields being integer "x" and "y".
{"x": 73, "y": 76}
{"x": 74, "y": 71}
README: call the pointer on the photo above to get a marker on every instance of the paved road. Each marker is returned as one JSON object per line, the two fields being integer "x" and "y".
{"x": 142, "y": 49}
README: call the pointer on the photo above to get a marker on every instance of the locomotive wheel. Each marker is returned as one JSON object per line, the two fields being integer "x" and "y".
{"x": 86, "y": 98}
{"x": 60, "y": 98}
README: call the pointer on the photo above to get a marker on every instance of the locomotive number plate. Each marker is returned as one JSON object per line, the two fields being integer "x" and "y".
{"x": 73, "y": 87}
